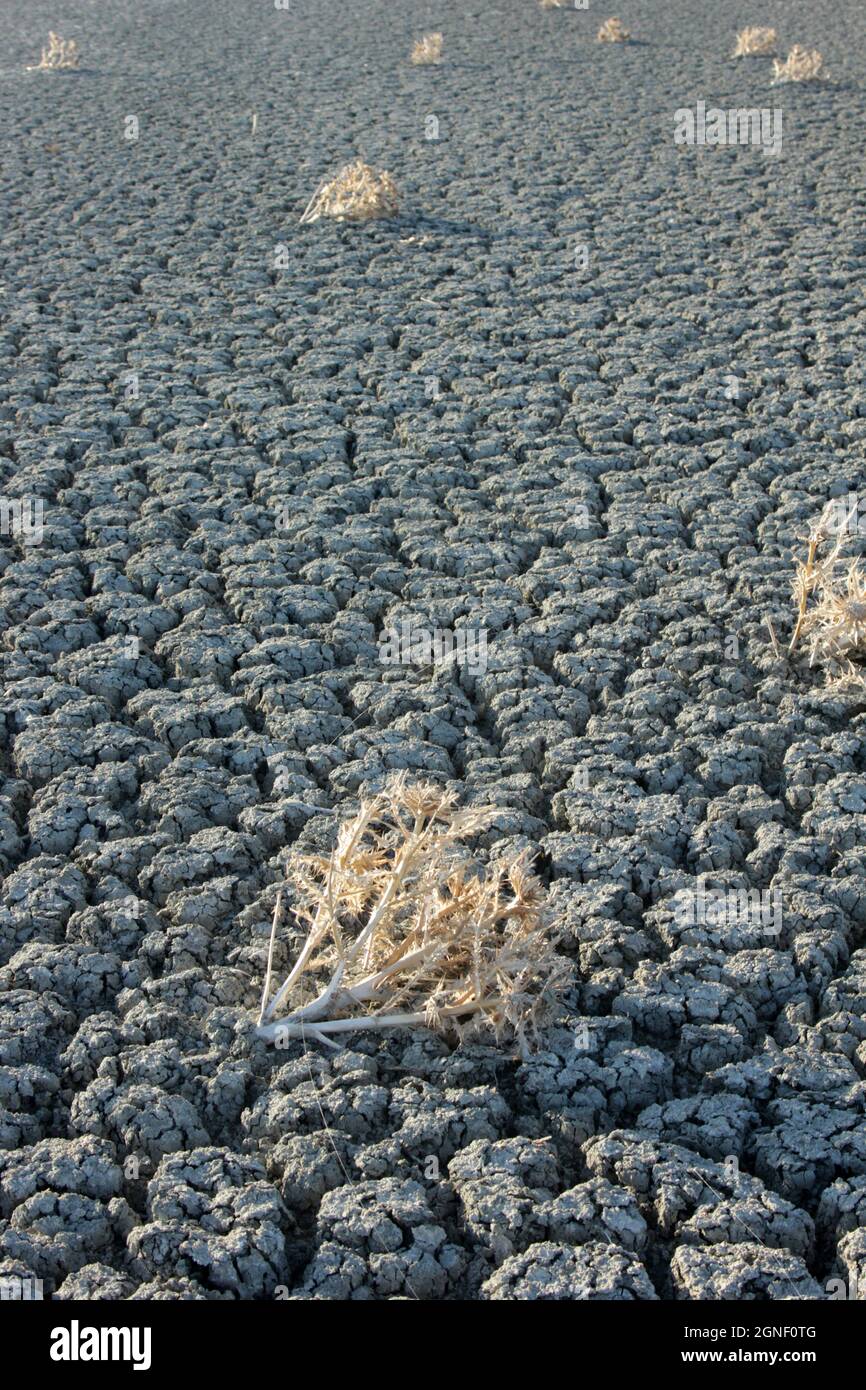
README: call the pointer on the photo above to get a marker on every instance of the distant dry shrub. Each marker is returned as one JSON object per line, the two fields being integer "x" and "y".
{"x": 801, "y": 65}
{"x": 755, "y": 40}
{"x": 613, "y": 31}
{"x": 830, "y": 594}
{"x": 427, "y": 49}
{"x": 357, "y": 194}
{"x": 403, "y": 927}
{"x": 59, "y": 53}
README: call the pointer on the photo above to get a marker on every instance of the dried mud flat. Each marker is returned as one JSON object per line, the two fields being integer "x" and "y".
{"x": 247, "y": 475}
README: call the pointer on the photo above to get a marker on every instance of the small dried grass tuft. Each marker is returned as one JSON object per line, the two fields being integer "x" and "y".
{"x": 404, "y": 928}
{"x": 59, "y": 53}
{"x": 613, "y": 31}
{"x": 754, "y": 41}
{"x": 830, "y": 594}
{"x": 427, "y": 49}
{"x": 551, "y": 4}
{"x": 359, "y": 193}
{"x": 801, "y": 65}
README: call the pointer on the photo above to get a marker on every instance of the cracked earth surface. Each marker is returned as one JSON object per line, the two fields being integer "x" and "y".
{"x": 258, "y": 446}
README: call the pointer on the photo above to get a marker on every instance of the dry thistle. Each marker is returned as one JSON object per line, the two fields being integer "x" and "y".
{"x": 755, "y": 40}
{"x": 838, "y": 624}
{"x": 427, "y": 50}
{"x": 404, "y": 929}
{"x": 357, "y": 194}
{"x": 835, "y": 623}
{"x": 613, "y": 31}
{"x": 801, "y": 65}
{"x": 60, "y": 53}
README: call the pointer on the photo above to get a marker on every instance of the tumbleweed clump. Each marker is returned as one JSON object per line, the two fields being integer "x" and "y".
{"x": 59, "y": 53}
{"x": 830, "y": 594}
{"x": 427, "y": 49}
{"x": 613, "y": 31}
{"x": 801, "y": 65}
{"x": 755, "y": 40}
{"x": 405, "y": 928}
{"x": 357, "y": 194}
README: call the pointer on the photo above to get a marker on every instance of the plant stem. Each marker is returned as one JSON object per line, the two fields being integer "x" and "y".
{"x": 267, "y": 987}
{"x": 287, "y": 1028}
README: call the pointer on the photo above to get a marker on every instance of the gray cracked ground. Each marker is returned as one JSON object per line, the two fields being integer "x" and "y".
{"x": 190, "y": 656}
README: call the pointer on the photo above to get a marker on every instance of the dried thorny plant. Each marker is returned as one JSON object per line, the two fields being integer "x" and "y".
{"x": 427, "y": 49}
{"x": 830, "y": 594}
{"x": 59, "y": 53}
{"x": 755, "y": 40}
{"x": 801, "y": 65}
{"x": 405, "y": 928}
{"x": 613, "y": 31}
{"x": 357, "y": 194}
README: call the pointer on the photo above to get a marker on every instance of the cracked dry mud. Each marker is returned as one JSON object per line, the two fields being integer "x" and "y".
{"x": 609, "y": 475}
